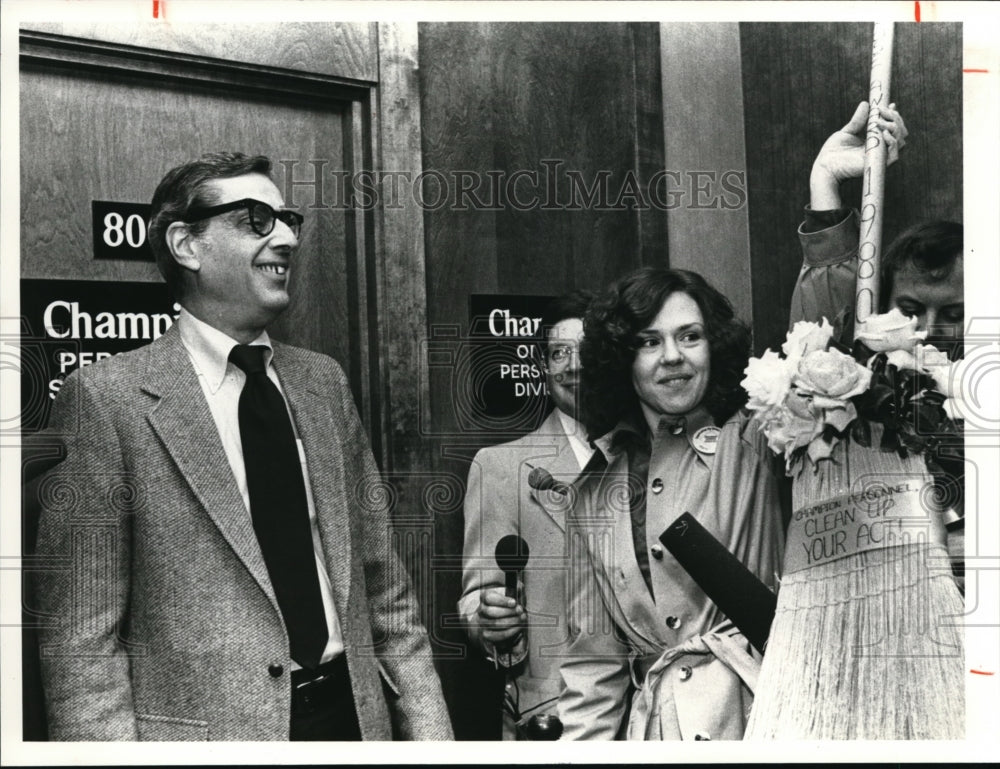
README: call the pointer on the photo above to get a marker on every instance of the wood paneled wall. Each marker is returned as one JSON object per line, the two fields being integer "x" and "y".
{"x": 801, "y": 82}
{"x": 708, "y": 230}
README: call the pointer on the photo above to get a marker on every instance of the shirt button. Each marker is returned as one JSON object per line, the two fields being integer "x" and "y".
{"x": 657, "y": 552}
{"x": 703, "y": 736}
{"x": 673, "y": 622}
{"x": 685, "y": 673}
{"x": 656, "y": 485}
{"x": 677, "y": 429}
{"x": 275, "y": 670}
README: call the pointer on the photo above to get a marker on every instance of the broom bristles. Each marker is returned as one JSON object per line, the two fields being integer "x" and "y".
{"x": 870, "y": 646}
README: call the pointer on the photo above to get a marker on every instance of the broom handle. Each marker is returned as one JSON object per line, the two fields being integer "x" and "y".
{"x": 873, "y": 186}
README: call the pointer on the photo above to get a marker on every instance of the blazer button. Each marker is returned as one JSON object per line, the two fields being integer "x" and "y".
{"x": 275, "y": 670}
{"x": 685, "y": 673}
{"x": 657, "y": 552}
{"x": 656, "y": 485}
{"x": 673, "y": 622}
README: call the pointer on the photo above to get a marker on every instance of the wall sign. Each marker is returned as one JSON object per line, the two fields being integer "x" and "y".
{"x": 71, "y": 323}
{"x": 505, "y": 380}
{"x": 120, "y": 231}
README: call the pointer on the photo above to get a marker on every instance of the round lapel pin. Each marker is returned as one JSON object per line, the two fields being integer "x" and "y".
{"x": 706, "y": 440}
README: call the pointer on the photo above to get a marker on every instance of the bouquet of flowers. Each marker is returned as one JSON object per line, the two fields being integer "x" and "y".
{"x": 808, "y": 397}
{"x": 866, "y": 641}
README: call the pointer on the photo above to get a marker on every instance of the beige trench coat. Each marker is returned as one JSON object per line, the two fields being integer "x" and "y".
{"x": 618, "y": 626}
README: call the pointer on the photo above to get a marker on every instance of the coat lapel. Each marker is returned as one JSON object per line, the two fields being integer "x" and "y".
{"x": 183, "y": 421}
{"x": 322, "y": 441}
{"x": 563, "y": 467}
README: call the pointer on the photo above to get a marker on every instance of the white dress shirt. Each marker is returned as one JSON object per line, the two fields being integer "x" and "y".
{"x": 222, "y": 383}
{"x": 576, "y": 433}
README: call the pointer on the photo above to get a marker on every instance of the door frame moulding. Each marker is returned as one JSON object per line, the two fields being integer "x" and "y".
{"x": 45, "y": 49}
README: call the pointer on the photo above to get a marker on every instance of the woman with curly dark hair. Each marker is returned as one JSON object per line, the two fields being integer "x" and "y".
{"x": 650, "y": 656}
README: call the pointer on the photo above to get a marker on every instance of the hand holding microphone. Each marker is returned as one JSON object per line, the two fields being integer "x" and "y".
{"x": 512, "y": 557}
{"x": 501, "y": 616}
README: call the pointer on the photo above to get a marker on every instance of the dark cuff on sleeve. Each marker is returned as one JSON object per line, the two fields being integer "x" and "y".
{"x": 821, "y": 220}
{"x": 830, "y": 244}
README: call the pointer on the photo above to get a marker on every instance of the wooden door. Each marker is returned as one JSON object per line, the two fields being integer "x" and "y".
{"x": 93, "y": 128}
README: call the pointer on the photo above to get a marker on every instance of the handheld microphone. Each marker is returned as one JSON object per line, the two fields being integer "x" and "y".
{"x": 512, "y": 556}
{"x": 747, "y": 601}
{"x": 541, "y": 479}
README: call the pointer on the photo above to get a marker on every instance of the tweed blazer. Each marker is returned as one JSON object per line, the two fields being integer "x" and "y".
{"x": 498, "y": 502}
{"x": 162, "y": 621}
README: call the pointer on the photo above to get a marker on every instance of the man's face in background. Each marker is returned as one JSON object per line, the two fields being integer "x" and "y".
{"x": 562, "y": 364}
{"x": 938, "y": 304}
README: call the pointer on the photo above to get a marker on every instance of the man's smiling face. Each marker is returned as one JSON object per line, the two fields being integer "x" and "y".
{"x": 242, "y": 281}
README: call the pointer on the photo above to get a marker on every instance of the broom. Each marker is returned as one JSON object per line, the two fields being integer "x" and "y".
{"x": 866, "y": 641}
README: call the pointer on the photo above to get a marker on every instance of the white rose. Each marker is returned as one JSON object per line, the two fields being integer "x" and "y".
{"x": 786, "y": 431}
{"x": 831, "y": 377}
{"x": 925, "y": 358}
{"x": 890, "y": 331}
{"x": 935, "y": 364}
{"x": 767, "y": 381}
{"x": 900, "y": 359}
{"x": 806, "y": 337}
{"x": 930, "y": 357}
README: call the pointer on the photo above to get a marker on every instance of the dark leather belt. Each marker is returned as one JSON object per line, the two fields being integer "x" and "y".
{"x": 323, "y": 687}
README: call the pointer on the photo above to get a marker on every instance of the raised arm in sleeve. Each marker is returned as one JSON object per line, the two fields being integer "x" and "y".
{"x": 825, "y": 285}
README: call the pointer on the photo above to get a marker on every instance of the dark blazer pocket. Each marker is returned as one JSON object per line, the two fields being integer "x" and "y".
{"x": 154, "y": 728}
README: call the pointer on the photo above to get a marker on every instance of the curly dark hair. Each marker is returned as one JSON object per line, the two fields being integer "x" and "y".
{"x": 609, "y": 345}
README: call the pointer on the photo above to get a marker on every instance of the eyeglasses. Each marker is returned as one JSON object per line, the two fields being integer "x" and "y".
{"x": 262, "y": 216}
{"x": 561, "y": 353}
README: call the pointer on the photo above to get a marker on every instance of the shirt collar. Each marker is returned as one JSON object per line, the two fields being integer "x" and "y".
{"x": 576, "y": 435}
{"x": 633, "y": 428}
{"x": 630, "y": 429}
{"x": 209, "y": 348}
{"x": 571, "y": 427}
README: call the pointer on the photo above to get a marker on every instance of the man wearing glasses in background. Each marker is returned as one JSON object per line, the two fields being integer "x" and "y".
{"x": 527, "y": 635}
{"x": 224, "y": 580}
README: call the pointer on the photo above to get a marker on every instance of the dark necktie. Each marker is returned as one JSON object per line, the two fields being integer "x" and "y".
{"x": 278, "y": 506}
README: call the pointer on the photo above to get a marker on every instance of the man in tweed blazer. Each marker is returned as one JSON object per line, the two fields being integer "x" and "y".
{"x": 528, "y": 640}
{"x": 163, "y": 619}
